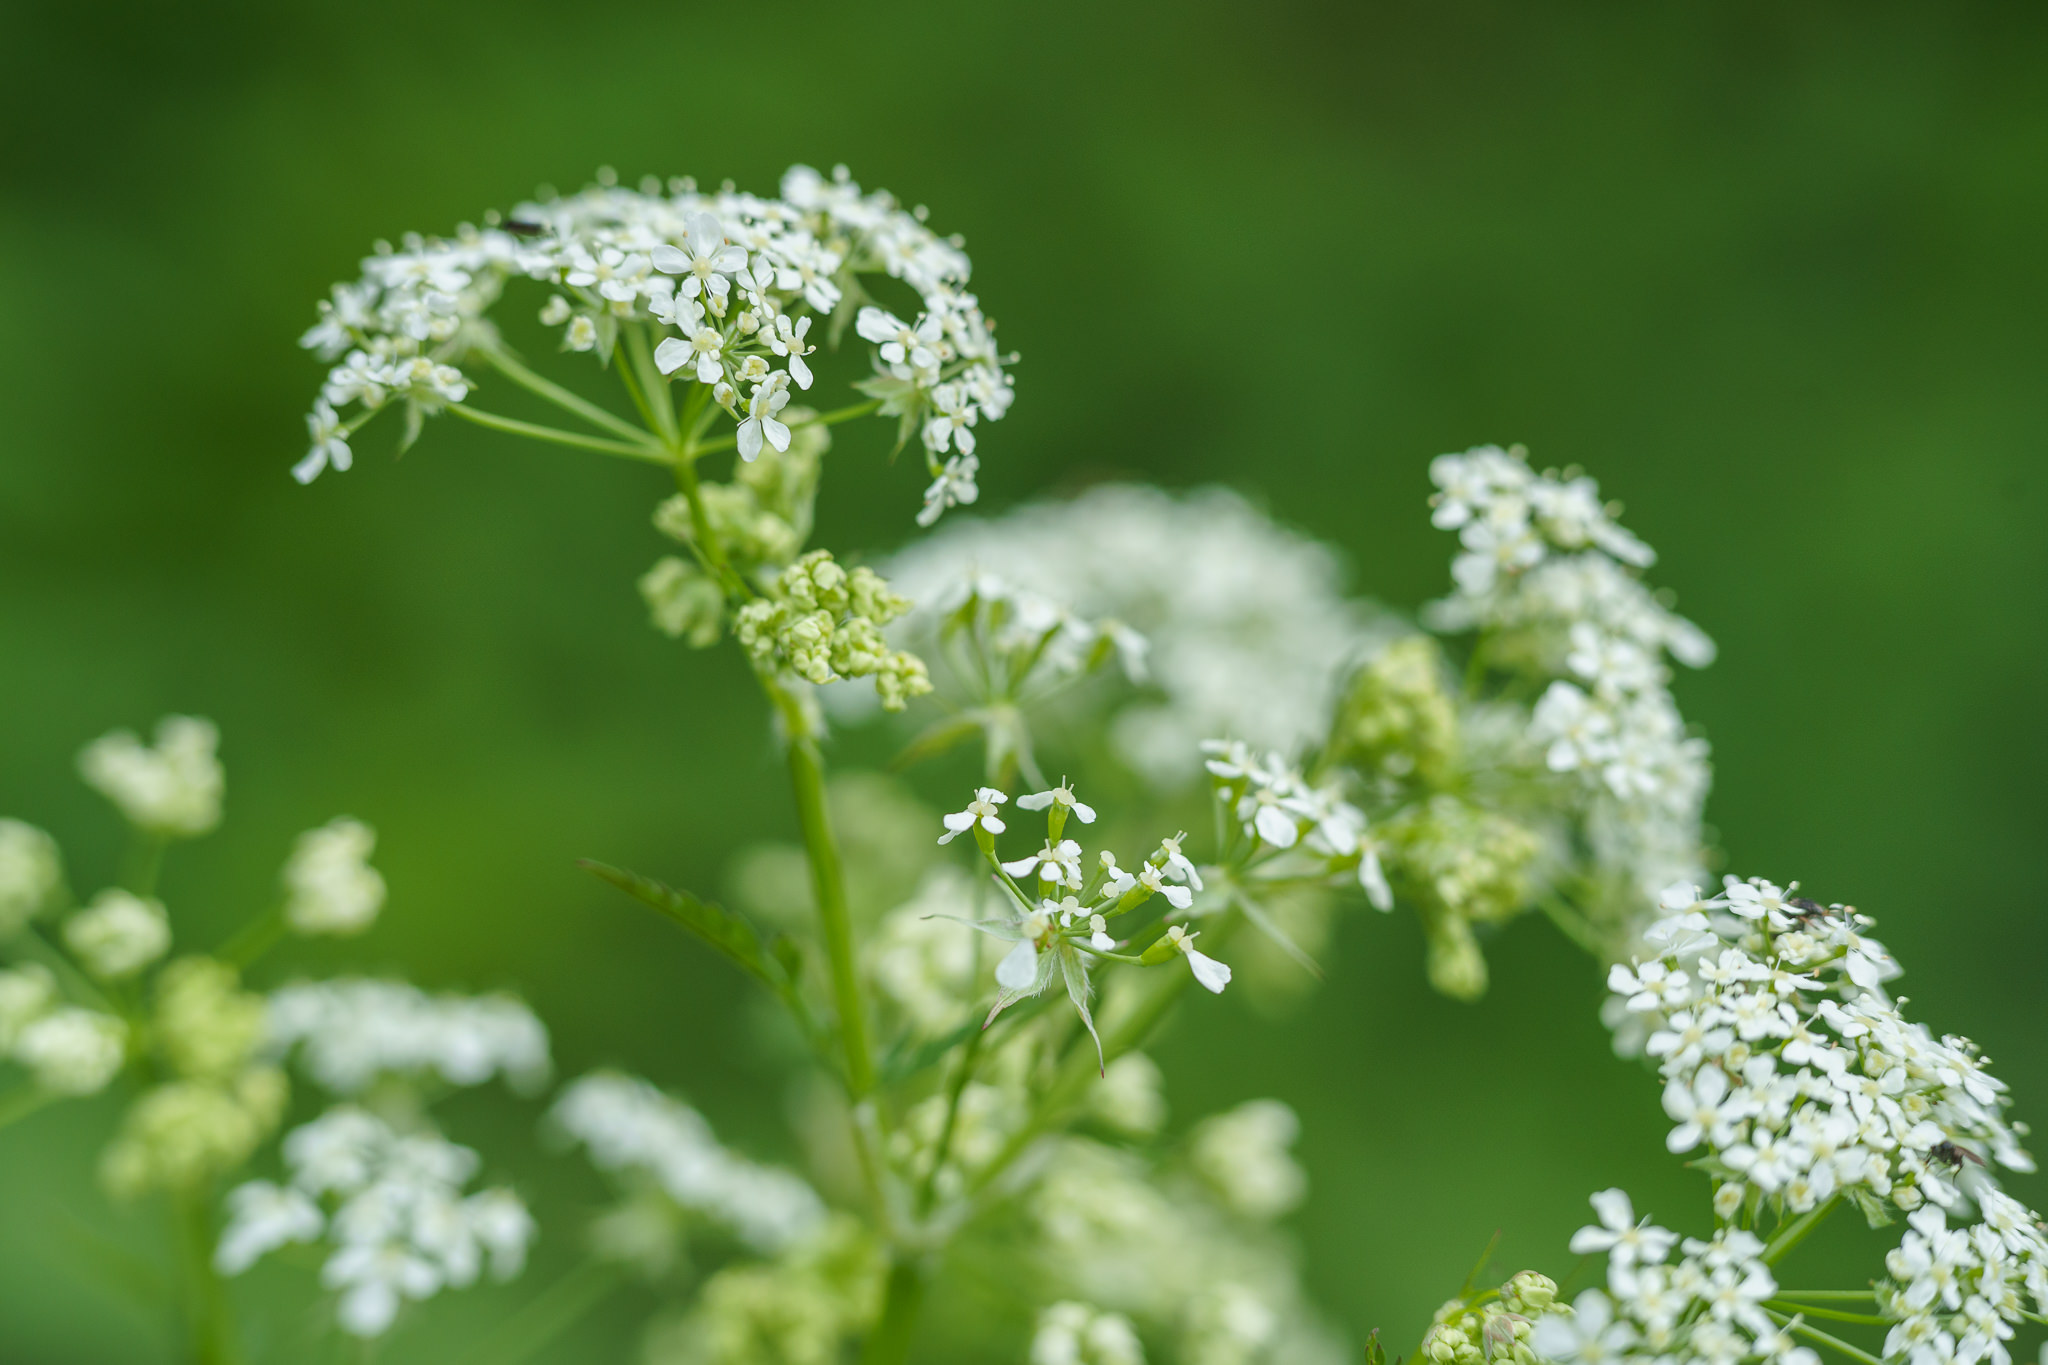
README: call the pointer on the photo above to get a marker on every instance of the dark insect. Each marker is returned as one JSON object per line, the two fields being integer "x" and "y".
{"x": 1807, "y": 910}
{"x": 1949, "y": 1154}
{"x": 519, "y": 229}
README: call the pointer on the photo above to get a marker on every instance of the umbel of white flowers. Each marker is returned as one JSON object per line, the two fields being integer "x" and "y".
{"x": 721, "y": 291}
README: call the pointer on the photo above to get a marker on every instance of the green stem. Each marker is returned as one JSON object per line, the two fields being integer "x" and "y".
{"x": 823, "y": 419}
{"x": 644, "y": 452}
{"x": 1832, "y": 1314}
{"x": 544, "y": 1317}
{"x": 145, "y": 861}
{"x": 210, "y": 1323}
{"x": 1798, "y": 1230}
{"x": 17, "y": 1105}
{"x": 1815, "y": 1334}
{"x": 1829, "y": 1295}
{"x": 704, "y": 541}
{"x": 563, "y": 398}
{"x": 889, "y": 1343}
{"x": 653, "y": 385}
{"x": 253, "y": 939}
{"x": 961, "y": 1076}
{"x": 828, "y": 885}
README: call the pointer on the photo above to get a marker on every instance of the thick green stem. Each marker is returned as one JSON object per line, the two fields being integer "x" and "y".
{"x": 1798, "y": 1230}
{"x": 209, "y": 1322}
{"x": 648, "y": 453}
{"x": 889, "y": 1343}
{"x": 828, "y": 886}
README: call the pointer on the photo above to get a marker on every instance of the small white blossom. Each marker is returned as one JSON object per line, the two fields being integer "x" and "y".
{"x": 30, "y": 873}
{"x": 118, "y": 934}
{"x": 1211, "y": 974}
{"x": 330, "y": 886}
{"x": 171, "y": 789}
{"x": 980, "y": 811}
{"x": 72, "y": 1051}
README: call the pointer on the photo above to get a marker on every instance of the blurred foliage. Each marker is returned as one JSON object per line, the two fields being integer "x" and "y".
{"x": 1773, "y": 273}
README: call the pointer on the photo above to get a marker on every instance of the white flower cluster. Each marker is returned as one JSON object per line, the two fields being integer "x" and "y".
{"x": 171, "y": 789}
{"x": 628, "y": 1126}
{"x": 329, "y": 883}
{"x": 1784, "y": 1058}
{"x": 738, "y": 279}
{"x": 921, "y": 963}
{"x": 1707, "y": 1305}
{"x": 393, "y": 1208}
{"x": 67, "y": 1049}
{"x": 1278, "y": 811}
{"x": 1551, "y": 579}
{"x": 1063, "y": 907}
{"x": 1245, "y": 1157}
{"x": 118, "y": 934}
{"x": 1246, "y": 629}
{"x": 1071, "y": 1333}
{"x": 30, "y": 874}
{"x": 349, "y": 1032}
{"x": 1031, "y": 635}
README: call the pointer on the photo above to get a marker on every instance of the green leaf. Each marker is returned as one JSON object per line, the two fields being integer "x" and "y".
{"x": 936, "y": 739}
{"x": 773, "y": 964}
{"x": 1375, "y": 1354}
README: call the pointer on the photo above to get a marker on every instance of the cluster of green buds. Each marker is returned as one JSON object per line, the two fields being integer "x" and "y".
{"x": 217, "y": 1102}
{"x": 824, "y": 624}
{"x": 1464, "y": 865}
{"x": 1398, "y": 720}
{"x": 1062, "y": 906}
{"x": 759, "y": 521}
{"x": 1492, "y": 1327}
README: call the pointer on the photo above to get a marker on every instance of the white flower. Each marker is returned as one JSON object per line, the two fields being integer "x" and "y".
{"x": 374, "y": 1279}
{"x": 1211, "y": 974}
{"x": 171, "y": 789}
{"x": 118, "y": 934}
{"x": 1626, "y": 1241}
{"x": 27, "y": 993}
{"x": 788, "y": 341}
{"x": 330, "y": 886}
{"x": 1059, "y": 863}
{"x": 352, "y": 1032}
{"x": 73, "y": 1051}
{"x": 1063, "y": 795}
{"x": 704, "y": 262}
{"x": 1176, "y": 864}
{"x": 628, "y": 1127}
{"x": 1590, "y": 1334}
{"x": 1071, "y": 1333}
{"x": 1244, "y": 1155}
{"x": 980, "y": 811}
{"x": 953, "y": 487}
{"x": 769, "y": 398}
{"x": 330, "y": 444}
{"x": 30, "y": 872}
{"x": 1703, "y": 1110}
{"x": 1153, "y": 879}
{"x": 952, "y": 421}
{"x": 261, "y": 1218}
{"x": 700, "y": 345}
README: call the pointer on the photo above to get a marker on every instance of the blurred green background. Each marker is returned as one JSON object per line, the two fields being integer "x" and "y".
{"x": 1773, "y": 273}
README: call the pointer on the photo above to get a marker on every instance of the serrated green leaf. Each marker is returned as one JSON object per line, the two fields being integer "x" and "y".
{"x": 731, "y": 934}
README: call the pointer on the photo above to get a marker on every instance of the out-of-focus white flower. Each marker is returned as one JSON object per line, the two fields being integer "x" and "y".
{"x": 330, "y": 886}
{"x": 30, "y": 873}
{"x": 919, "y": 959}
{"x": 118, "y": 934}
{"x": 27, "y": 993}
{"x": 629, "y": 1126}
{"x": 1071, "y": 1333}
{"x": 1246, "y": 629}
{"x": 170, "y": 789}
{"x": 1131, "y": 1096}
{"x": 1244, "y": 1154}
{"x": 73, "y": 1051}
{"x": 397, "y": 1220}
{"x": 348, "y": 1032}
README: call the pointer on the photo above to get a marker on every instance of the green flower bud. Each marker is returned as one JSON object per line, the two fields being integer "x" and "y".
{"x": 1456, "y": 966}
{"x": 1399, "y": 718}
{"x": 1528, "y": 1292}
